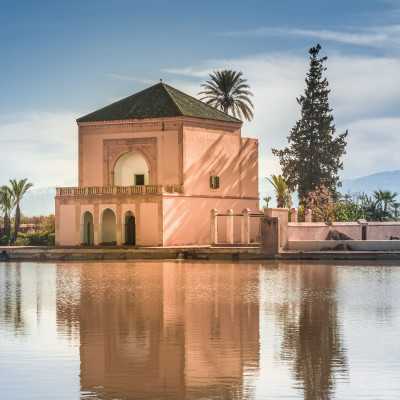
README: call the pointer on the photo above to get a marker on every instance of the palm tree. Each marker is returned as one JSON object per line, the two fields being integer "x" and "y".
{"x": 18, "y": 191}
{"x": 386, "y": 197}
{"x": 280, "y": 185}
{"x": 7, "y": 204}
{"x": 396, "y": 209}
{"x": 267, "y": 199}
{"x": 228, "y": 91}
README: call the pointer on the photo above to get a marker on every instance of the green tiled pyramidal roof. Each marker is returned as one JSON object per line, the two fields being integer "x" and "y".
{"x": 158, "y": 101}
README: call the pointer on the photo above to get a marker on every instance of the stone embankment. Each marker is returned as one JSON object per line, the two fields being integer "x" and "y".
{"x": 52, "y": 254}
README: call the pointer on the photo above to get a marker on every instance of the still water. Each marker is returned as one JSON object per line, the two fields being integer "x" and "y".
{"x": 196, "y": 330}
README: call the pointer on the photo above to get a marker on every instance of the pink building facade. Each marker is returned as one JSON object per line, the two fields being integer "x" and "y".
{"x": 151, "y": 168}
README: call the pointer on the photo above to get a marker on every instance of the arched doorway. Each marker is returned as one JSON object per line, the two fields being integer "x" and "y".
{"x": 129, "y": 233}
{"x": 131, "y": 169}
{"x": 108, "y": 228}
{"x": 87, "y": 232}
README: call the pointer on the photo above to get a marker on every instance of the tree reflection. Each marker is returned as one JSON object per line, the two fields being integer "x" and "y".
{"x": 10, "y": 299}
{"x": 311, "y": 333}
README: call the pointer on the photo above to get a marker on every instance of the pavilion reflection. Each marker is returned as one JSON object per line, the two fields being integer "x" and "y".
{"x": 169, "y": 331}
{"x": 312, "y": 342}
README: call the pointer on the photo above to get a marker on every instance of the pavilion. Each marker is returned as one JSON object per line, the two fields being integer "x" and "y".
{"x": 151, "y": 168}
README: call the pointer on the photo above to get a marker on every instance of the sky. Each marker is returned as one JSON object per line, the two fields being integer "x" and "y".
{"x": 63, "y": 59}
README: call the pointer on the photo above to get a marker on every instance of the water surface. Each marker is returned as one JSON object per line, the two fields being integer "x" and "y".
{"x": 199, "y": 330}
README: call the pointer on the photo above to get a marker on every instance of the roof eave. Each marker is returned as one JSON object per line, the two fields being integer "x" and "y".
{"x": 143, "y": 120}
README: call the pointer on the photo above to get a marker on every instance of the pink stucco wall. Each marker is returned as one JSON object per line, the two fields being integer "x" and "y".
{"x": 211, "y": 152}
{"x": 91, "y": 157}
{"x": 68, "y": 223}
{"x": 249, "y": 167}
{"x": 87, "y": 207}
{"x": 183, "y": 151}
{"x": 187, "y": 219}
{"x": 148, "y": 224}
{"x": 128, "y": 207}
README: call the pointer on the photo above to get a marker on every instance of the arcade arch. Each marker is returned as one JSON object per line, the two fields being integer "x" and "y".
{"x": 87, "y": 230}
{"x": 129, "y": 228}
{"x": 131, "y": 169}
{"x": 108, "y": 227}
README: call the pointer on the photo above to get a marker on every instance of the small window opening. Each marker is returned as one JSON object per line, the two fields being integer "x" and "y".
{"x": 139, "y": 179}
{"x": 214, "y": 182}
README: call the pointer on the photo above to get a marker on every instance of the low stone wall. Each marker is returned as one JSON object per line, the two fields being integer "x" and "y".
{"x": 320, "y": 230}
{"x": 365, "y": 236}
{"x": 354, "y": 245}
{"x": 382, "y": 230}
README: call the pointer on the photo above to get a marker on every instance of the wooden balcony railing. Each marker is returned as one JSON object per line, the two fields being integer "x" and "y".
{"x": 116, "y": 190}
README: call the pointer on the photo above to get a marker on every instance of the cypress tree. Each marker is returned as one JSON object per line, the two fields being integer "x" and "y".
{"x": 313, "y": 155}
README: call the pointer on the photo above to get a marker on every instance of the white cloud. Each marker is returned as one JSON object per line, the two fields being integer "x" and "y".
{"x": 42, "y": 147}
{"x": 372, "y": 146}
{"x": 365, "y": 98}
{"x": 187, "y": 72}
{"x": 373, "y": 36}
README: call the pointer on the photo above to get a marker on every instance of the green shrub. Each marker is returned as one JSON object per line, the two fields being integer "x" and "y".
{"x": 41, "y": 238}
{"x": 51, "y": 239}
{"x": 22, "y": 240}
{"x": 5, "y": 240}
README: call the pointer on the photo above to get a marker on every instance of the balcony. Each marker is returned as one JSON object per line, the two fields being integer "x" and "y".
{"x": 118, "y": 190}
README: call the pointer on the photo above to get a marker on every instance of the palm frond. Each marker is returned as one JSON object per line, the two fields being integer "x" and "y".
{"x": 228, "y": 91}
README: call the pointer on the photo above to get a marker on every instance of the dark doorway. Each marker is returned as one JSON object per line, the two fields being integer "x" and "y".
{"x": 89, "y": 232}
{"x": 130, "y": 231}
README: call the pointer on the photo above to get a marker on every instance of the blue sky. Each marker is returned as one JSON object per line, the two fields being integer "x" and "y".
{"x": 61, "y": 60}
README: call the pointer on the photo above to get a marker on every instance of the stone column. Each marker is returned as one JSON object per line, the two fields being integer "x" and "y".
{"x": 214, "y": 227}
{"x": 77, "y": 224}
{"x": 229, "y": 227}
{"x": 96, "y": 225}
{"x": 82, "y": 233}
{"x": 307, "y": 215}
{"x": 283, "y": 215}
{"x": 269, "y": 242}
{"x": 294, "y": 214}
{"x": 111, "y": 179}
{"x": 246, "y": 226}
{"x": 119, "y": 225}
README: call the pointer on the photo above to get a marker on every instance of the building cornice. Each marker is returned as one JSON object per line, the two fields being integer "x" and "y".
{"x": 140, "y": 123}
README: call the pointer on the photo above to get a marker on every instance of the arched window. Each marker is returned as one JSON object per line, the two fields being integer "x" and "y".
{"x": 131, "y": 169}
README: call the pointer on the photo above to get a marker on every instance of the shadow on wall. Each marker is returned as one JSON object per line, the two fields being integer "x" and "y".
{"x": 250, "y": 160}
{"x": 191, "y": 220}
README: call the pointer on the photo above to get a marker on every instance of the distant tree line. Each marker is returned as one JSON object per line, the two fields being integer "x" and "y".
{"x": 328, "y": 207}
{"x": 10, "y": 199}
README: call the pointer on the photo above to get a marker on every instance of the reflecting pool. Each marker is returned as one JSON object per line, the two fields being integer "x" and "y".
{"x": 200, "y": 330}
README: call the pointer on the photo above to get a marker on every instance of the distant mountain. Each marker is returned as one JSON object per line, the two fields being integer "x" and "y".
{"x": 388, "y": 180}
{"x": 38, "y": 201}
